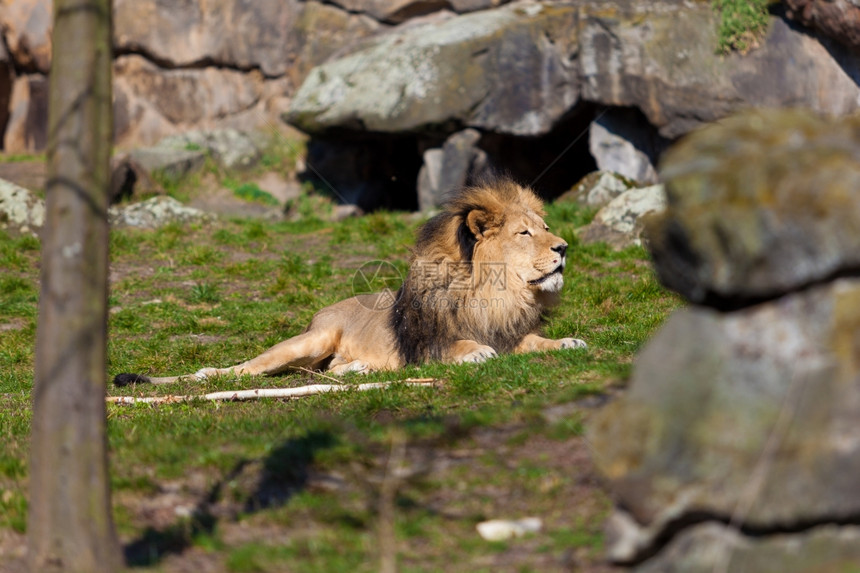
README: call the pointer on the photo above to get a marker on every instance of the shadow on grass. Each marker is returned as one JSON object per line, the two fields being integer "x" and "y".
{"x": 281, "y": 475}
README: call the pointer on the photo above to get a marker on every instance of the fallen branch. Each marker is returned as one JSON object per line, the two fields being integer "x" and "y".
{"x": 315, "y": 373}
{"x": 256, "y": 394}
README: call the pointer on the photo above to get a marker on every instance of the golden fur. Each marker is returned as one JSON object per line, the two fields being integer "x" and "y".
{"x": 482, "y": 273}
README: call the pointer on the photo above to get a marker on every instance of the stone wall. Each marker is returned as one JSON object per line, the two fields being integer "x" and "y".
{"x": 538, "y": 73}
{"x": 192, "y": 63}
{"x": 530, "y": 77}
{"x": 178, "y": 65}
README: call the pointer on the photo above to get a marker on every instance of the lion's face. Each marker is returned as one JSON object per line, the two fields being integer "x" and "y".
{"x": 484, "y": 270}
{"x": 533, "y": 256}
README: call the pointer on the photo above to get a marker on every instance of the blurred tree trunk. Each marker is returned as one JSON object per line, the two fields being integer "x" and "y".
{"x": 70, "y": 525}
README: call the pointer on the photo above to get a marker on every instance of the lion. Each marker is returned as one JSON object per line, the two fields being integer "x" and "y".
{"x": 482, "y": 274}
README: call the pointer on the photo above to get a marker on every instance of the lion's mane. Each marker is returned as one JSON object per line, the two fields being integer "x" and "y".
{"x": 454, "y": 292}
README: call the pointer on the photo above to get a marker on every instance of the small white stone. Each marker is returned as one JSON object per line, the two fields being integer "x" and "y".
{"x": 184, "y": 511}
{"x": 501, "y": 529}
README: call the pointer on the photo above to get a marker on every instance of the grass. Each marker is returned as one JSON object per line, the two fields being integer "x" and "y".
{"x": 304, "y": 476}
{"x": 742, "y": 24}
{"x": 250, "y": 192}
{"x": 20, "y": 157}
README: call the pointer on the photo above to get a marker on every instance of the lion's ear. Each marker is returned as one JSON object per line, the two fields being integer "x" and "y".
{"x": 480, "y": 221}
{"x": 477, "y": 225}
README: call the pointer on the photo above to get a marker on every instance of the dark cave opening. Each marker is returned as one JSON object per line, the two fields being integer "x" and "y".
{"x": 380, "y": 171}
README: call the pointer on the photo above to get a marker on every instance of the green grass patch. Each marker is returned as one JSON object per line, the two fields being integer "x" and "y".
{"x": 306, "y": 474}
{"x": 282, "y": 153}
{"x": 21, "y": 157}
{"x": 250, "y": 192}
{"x": 742, "y": 24}
{"x": 311, "y": 205}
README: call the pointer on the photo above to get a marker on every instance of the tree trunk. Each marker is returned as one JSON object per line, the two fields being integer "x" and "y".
{"x": 70, "y": 525}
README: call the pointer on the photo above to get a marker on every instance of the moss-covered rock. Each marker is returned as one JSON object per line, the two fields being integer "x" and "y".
{"x": 19, "y": 208}
{"x": 660, "y": 56}
{"x": 839, "y": 19}
{"x": 760, "y": 204}
{"x": 505, "y": 70}
{"x": 620, "y": 222}
{"x": 749, "y": 416}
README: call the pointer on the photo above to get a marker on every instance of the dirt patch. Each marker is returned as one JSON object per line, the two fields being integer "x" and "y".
{"x": 13, "y": 552}
{"x": 448, "y": 486}
{"x": 13, "y": 324}
{"x": 214, "y": 198}
{"x": 281, "y": 189}
{"x": 30, "y": 175}
{"x": 202, "y": 338}
{"x": 122, "y": 271}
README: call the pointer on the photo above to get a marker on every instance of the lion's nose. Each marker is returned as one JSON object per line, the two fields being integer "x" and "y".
{"x": 561, "y": 249}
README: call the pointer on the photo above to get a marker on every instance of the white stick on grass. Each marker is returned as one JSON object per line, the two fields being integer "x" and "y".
{"x": 256, "y": 394}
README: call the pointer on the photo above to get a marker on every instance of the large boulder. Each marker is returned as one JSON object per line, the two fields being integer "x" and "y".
{"x": 715, "y": 246}
{"x": 660, "y": 57}
{"x": 30, "y": 174}
{"x": 519, "y": 68}
{"x": 598, "y": 188}
{"x": 737, "y": 445}
{"x": 178, "y": 66}
{"x": 206, "y": 65}
{"x": 237, "y": 35}
{"x": 751, "y": 417}
{"x": 27, "y": 127}
{"x": 319, "y": 32}
{"x": 168, "y": 161}
{"x": 129, "y": 179}
{"x": 231, "y": 148}
{"x": 622, "y": 141}
{"x": 507, "y": 70}
{"x": 621, "y": 222}
{"x": 26, "y": 27}
{"x": 7, "y": 77}
{"x": 527, "y": 75}
{"x": 156, "y": 212}
{"x": 151, "y": 102}
{"x": 189, "y": 95}
{"x": 839, "y": 19}
{"x": 450, "y": 167}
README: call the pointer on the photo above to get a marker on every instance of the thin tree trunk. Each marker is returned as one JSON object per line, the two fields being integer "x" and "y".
{"x": 70, "y": 525}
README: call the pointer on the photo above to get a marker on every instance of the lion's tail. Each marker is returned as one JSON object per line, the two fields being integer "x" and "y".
{"x": 125, "y": 379}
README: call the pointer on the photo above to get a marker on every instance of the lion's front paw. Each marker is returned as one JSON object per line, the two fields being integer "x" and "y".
{"x": 205, "y": 373}
{"x": 479, "y": 354}
{"x": 572, "y": 343}
{"x": 358, "y": 366}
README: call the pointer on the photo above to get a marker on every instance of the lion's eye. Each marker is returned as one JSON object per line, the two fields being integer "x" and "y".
{"x": 527, "y": 233}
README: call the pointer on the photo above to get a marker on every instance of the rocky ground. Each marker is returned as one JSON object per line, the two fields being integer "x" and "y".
{"x": 485, "y": 454}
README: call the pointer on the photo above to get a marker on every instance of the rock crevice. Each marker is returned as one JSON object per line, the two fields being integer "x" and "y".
{"x": 200, "y": 64}
{"x": 649, "y": 546}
